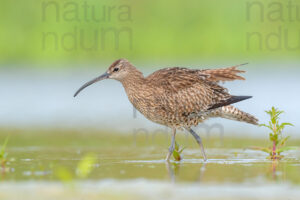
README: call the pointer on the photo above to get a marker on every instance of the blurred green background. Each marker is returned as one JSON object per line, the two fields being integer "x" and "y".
{"x": 60, "y": 31}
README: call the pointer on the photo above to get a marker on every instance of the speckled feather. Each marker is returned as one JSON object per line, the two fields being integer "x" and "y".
{"x": 180, "y": 97}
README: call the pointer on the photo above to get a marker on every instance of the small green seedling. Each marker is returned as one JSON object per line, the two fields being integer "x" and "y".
{"x": 3, "y": 153}
{"x": 83, "y": 170}
{"x": 177, "y": 152}
{"x": 275, "y": 136}
{"x": 86, "y": 165}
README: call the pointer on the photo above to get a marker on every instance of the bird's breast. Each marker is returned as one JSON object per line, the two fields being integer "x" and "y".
{"x": 145, "y": 101}
{"x": 162, "y": 108}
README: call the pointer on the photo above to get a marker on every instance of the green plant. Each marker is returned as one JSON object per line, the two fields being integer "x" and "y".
{"x": 86, "y": 165}
{"x": 177, "y": 151}
{"x": 3, "y": 153}
{"x": 83, "y": 169}
{"x": 275, "y": 136}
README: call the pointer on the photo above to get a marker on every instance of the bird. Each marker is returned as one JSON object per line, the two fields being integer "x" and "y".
{"x": 177, "y": 97}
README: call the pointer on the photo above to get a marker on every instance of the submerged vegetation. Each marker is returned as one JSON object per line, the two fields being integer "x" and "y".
{"x": 275, "y": 136}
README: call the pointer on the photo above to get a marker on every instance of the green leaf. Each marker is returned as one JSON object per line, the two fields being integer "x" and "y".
{"x": 176, "y": 146}
{"x": 273, "y": 120}
{"x": 271, "y": 126}
{"x": 181, "y": 150}
{"x": 286, "y": 124}
{"x": 177, "y": 151}
{"x": 279, "y": 112}
{"x": 272, "y": 136}
{"x": 264, "y": 125}
{"x": 282, "y": 142}
{"x": 282, "y": 149}
{"x": 176, "y": 156}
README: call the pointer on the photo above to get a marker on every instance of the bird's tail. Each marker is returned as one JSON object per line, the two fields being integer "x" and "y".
{"x": 230, "y": 112}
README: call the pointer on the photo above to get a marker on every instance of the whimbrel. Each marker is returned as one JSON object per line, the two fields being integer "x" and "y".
{"x": 179, "y": 98}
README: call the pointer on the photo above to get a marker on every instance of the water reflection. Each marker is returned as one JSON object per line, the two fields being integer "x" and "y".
{"x": 274, "y": 169}
{"x": 202, "y": 171}
{"x": 173, "y": 169}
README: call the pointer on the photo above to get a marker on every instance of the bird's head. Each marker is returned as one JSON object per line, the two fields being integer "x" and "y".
{"x": 118, "y": 70}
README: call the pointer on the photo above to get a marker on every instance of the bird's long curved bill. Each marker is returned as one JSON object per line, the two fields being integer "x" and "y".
{"x": 103, "y": 76}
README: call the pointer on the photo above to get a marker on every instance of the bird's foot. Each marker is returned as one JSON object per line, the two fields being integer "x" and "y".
{"x": 168, "y": 157}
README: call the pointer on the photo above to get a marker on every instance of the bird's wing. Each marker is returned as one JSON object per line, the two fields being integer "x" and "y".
{"x": 187, "y": 90}
{"x": 225, "y": 74}
{"x": 175, "y": 78}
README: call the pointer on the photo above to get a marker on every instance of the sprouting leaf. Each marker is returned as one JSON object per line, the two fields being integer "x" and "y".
{"x": 273, "y": 120}
{"x": 279, "y": 113}
{"x": 276, "y": 134}
{"x": 286, "y": 124}
{"x": 85, "y": 166}
{"x": 264, "y": 125}
{"x": 176, "y": 155}
{"x": 177, "y": 151}
{"x": 181, "y": 150}
{"x": 282, "y": 149}
{"x": 272, "y": 136}
{"x": 176, "y": 146}
{"x": 271, "y": 126}
{"x": 282, "y": 142}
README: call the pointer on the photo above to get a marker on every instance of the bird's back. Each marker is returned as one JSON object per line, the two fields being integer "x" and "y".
{"x": 195, "y": 90}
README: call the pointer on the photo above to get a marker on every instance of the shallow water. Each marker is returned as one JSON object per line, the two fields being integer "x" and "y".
{"x": 137, "y": 170}
{"x": 223, "y": 166}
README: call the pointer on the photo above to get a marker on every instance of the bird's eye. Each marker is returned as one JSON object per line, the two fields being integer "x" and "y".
{"x": 116, "y": 69}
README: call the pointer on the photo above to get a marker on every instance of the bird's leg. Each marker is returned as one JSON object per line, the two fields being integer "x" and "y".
{"x": 199, "y": 141}
{"x": 172, "y": 147}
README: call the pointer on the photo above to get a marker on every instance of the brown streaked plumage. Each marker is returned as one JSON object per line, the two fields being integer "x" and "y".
{"x": 179, "y": 98}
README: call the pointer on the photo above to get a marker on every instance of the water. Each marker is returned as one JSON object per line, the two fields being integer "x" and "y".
{"x": 134, "y": 168}
{"x": 224, "y": 165}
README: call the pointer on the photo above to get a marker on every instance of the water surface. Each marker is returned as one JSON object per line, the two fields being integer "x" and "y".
{"x": 130, "y": 169}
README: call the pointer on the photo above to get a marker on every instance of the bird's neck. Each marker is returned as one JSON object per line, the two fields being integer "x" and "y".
{"x": 135, "y": 85}
{"x": 134, "y": 80}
